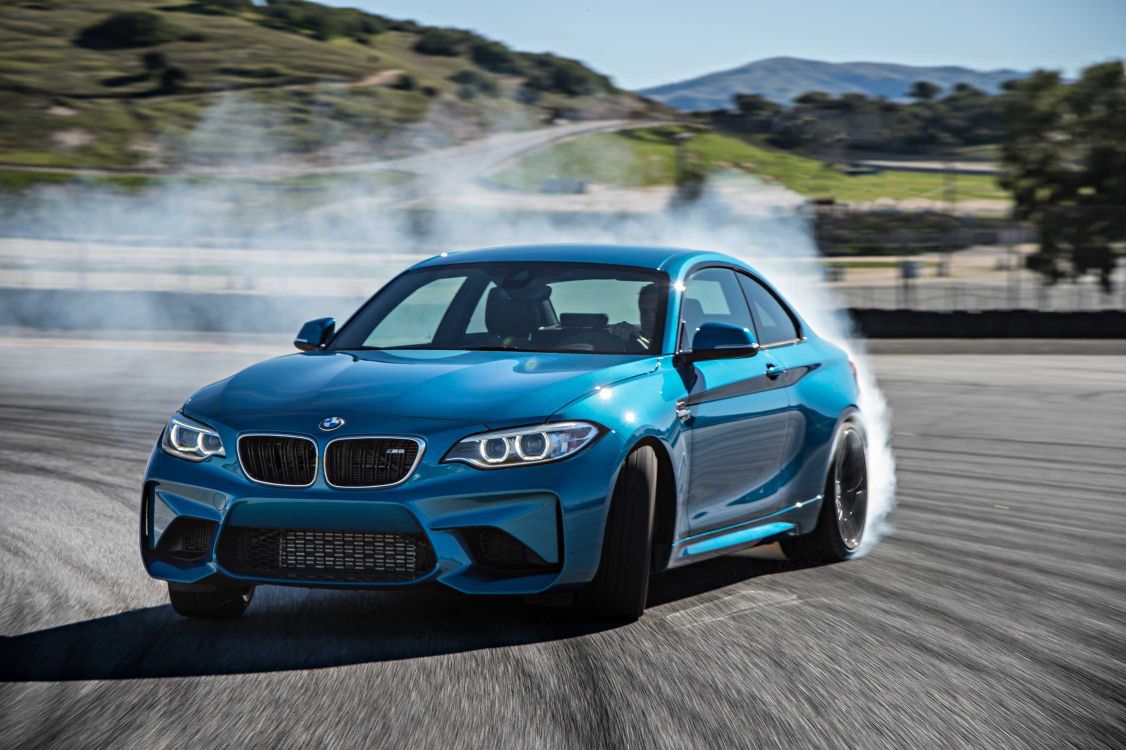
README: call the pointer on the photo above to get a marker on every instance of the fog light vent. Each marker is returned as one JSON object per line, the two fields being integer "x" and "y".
{"x": 498, "y": 550}
{"x": 186, "y": 539}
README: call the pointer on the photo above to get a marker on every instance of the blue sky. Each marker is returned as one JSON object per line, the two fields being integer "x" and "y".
{"x": 642, "y": 43}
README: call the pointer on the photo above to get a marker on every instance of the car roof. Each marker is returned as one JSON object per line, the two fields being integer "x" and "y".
{"x": 641, "y": 256}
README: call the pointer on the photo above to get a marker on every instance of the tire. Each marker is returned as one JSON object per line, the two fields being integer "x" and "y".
{"x": 844, "y": 506}
{"x": 621, "y": 586}
{"x": 215, "y": 604}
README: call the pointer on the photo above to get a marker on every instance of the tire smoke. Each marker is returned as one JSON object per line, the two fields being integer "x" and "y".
{"x": 250, "y": 230}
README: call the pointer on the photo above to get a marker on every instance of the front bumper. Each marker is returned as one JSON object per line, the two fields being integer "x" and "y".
{"x": 556, "y": 511}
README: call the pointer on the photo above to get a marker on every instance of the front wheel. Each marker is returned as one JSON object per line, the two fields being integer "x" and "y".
{"x": 621, "y": 586}
{"x": 215, "y": 603}
{"x": 844, "y": 507}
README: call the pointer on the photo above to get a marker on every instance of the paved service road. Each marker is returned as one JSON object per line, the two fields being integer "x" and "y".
{"x": 993, "y": 616}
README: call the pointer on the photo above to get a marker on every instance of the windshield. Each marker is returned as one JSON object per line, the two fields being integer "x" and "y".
{"x": 540, "y": 307}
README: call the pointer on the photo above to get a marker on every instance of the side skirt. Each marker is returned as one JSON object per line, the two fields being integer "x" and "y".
{"x": 797, "y": 519}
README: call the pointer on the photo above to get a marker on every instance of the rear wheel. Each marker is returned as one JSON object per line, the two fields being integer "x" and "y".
{"x": 214, "y": 603}
{"x": 844, "y": 507}
{"x": 621, "y": 586}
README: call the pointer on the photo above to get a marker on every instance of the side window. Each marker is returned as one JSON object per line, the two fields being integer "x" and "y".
{"x": 772, "y": 322}
{"x": 712, "y": 296}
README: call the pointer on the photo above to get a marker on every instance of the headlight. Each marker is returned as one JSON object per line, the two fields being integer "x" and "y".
{"x": 527, "y": 445}
{"x": 186, "y": 438}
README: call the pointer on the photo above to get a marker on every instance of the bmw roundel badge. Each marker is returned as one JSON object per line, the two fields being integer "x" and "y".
{"x": 328, "y": 424}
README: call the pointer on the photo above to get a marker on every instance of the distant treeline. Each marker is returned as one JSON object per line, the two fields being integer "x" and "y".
{"x": 817, "y": 121}
{"x": 1061, "y": 146}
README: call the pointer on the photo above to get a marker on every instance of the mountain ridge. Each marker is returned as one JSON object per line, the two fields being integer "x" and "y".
{"x": 783, "y": 78}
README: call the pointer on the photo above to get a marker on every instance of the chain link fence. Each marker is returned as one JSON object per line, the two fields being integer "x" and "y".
{"x": 945, "y": 262}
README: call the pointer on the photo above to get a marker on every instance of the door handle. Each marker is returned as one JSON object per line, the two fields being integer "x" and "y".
{"x": 773, "y": 371}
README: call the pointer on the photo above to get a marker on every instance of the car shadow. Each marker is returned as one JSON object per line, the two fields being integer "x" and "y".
{"x": 290, "y": 629}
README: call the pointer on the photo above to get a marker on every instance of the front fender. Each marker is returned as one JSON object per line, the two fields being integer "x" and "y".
{"x": 642, "y": 408}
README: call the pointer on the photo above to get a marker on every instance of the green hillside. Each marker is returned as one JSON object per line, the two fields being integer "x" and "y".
{"x": 646, "y": 157}
{"x": 133, "y": 84}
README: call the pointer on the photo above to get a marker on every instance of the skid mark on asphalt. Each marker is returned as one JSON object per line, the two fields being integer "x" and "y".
{"x": 730, "y": 606}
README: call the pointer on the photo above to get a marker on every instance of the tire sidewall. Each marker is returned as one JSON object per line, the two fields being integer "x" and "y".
{"x": 849, "y": 422}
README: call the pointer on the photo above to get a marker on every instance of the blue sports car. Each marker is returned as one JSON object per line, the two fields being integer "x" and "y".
{"x": 518, "y": 420}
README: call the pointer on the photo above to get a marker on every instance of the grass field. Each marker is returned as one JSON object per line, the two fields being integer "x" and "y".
{"x": 645, "y": 157}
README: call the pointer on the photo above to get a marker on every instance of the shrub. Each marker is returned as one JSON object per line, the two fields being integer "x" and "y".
{"x": 813, "y": 98}
{"x": 444, "y": 42}
{"x": 130, "y": 29}
{"x": 217, "y": 7}
{"x": 154, "y": 61}
{"x": 565, "y": 76}
{"x": 405, "y": 82}
{"x": 495, "y": 57}
{"x": 478, "y": 82}
{"x": 172, "y": 79}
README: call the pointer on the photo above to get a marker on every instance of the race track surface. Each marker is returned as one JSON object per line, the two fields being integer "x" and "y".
{"x": 994, "y": 615}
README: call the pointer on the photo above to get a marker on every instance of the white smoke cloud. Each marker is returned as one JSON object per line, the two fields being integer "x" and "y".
{"x": 382, "y": 226}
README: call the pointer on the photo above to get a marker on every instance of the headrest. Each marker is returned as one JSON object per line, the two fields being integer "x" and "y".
{"x": 515, "y": 312}
{"x": 583, "y": 320}
{"x": 534, "y": 291}
{"x": 691, "y": 309}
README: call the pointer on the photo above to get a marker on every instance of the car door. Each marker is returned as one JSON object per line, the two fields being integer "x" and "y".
{"x": 777, "y": 330}
{"x": 735, "y": 412}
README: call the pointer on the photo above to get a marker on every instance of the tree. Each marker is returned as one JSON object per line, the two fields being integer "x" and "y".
{"x": 475, "y": 82}
{"x": 154, "y": 61}
{"x": 495, "y": 57}
{"x": 564, "y": 76}
{"x": 924, "y": 91}
{"x": 1065, "y": 162}
{"x": 130, "y": 29}
{"x": 172, "y": 80}
{"x": 405, "y": 82}
{"x": 442, "y": 42}
{"x": 223, "y": 6}
{"x": 813, "y": 99}
{"x": 755, "y": 105}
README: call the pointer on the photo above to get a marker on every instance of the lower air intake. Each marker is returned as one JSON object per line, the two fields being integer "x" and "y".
{"x": 186, "y": 539}
{"x": 500, "y": 551}
{"x": 362, "y": 557}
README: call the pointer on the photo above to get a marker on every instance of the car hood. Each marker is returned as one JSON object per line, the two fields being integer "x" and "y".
{"x": 489, "y": 388}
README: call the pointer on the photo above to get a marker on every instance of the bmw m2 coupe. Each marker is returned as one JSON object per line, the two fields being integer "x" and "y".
{"x": 516, "y": 420}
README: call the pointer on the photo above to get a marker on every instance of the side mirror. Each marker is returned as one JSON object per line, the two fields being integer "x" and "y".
{"x": 721, "y": 341}
{"x": 315, "y": 334}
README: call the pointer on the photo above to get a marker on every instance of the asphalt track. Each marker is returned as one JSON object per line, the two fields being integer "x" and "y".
{"x": 994, "y": 615}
